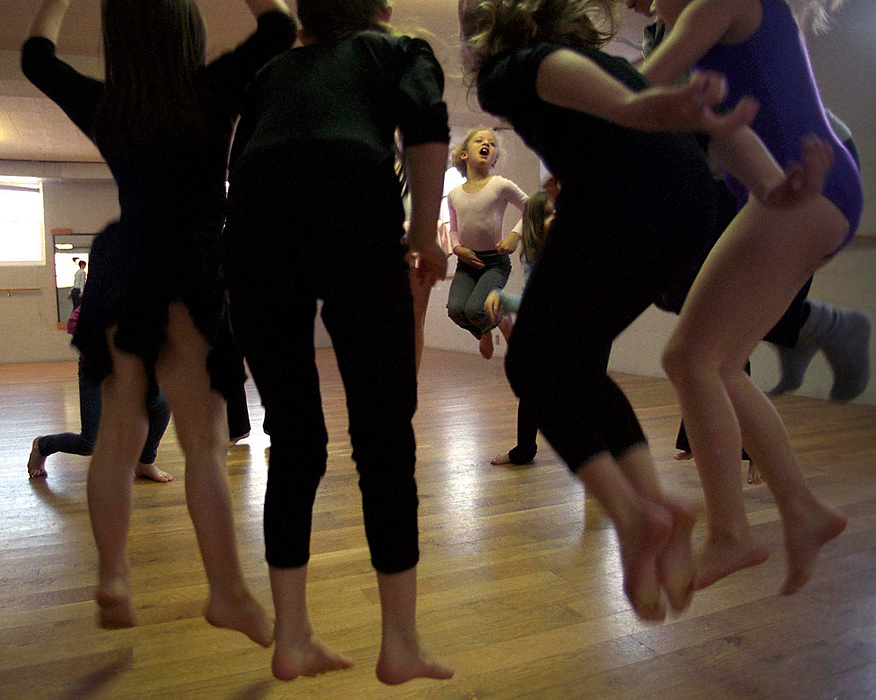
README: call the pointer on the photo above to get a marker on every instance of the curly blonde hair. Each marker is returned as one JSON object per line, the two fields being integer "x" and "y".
{"x": 814, "y": 15}
{"x": 490, "y": 26}
{"x": 456, "y": 154}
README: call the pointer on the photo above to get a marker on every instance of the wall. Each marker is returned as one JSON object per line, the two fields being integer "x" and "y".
{"x": 79, "y": 197}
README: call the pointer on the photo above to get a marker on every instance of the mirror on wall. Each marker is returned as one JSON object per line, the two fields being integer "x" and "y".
{"x": 70, "y": 249}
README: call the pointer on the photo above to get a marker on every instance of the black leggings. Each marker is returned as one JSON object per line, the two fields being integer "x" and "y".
{"x": 590, "y": 282}
{"x": 358, "y": 269}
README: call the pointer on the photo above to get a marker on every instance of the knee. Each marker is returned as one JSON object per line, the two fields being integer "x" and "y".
{"x": 676, "y": 360}
{"x": 517, "y": 368}
{"x": 456, "y": 312}
{"x": 685, "y": 363}
{"x": 475, "y": 314}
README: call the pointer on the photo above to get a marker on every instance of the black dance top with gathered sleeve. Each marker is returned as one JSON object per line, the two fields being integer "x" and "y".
{"x": 331, "y": 110}
{"x": 165, "y": 247}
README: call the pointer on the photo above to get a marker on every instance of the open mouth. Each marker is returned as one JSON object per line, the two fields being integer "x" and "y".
{"x": 485, "y": 151}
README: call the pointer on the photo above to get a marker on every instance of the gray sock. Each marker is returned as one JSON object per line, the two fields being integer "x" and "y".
{"x": 844, "y": 335}
{"x": 794, "y": 362}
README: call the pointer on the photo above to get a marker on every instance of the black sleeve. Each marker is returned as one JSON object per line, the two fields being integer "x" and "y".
{"x": 76, "y": 94}
{"x": 420, "y": 94}
{"x": 227, "y": 77}
{"x": 507, "y": 82}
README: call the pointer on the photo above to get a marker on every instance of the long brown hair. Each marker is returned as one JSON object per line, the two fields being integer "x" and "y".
{"x": 152, "y": 49}
{"x": 489, "y": 27}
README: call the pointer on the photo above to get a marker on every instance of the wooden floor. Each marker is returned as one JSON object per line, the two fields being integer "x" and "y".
{"x": 519, "y": 581}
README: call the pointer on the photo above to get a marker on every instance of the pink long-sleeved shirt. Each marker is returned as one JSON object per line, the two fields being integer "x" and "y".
{"x": 476, "y": 218}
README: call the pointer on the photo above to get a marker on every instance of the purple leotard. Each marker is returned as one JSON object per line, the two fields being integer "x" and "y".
{"x": 773, "y": 66}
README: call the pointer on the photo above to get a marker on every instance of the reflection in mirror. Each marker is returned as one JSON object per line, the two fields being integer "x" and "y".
{"x": 70, "y": 249}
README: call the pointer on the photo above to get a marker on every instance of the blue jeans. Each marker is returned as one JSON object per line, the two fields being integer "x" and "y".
{"x": 82, "y": 443}
{"x": 470, "y": 288}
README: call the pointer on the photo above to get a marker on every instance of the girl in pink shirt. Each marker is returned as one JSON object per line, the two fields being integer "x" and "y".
{"x": 477, "y": 209}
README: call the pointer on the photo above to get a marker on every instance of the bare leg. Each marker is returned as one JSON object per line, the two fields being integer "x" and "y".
{"x": 36, "y": 463}
{"x": 808, "y": 522}
{"x": 420, "y": 293}
{"x": 485, "y": 345}
{"x": 675, "y": 563}
{"x": 754, "y": 476}
{"x": 403, "y": 656}
{"x": 120, "y": 439}
{"x": 202, "y": 428}
{"x": 748, "y": 280}
{"x": 153, "y": 473}
{"x": 506, "y": 325}
{"x": 297, "y": 651}
{"x": 643, "y": 528}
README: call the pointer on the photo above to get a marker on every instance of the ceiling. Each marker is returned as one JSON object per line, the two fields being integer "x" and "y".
{"x": 34, "y": 128}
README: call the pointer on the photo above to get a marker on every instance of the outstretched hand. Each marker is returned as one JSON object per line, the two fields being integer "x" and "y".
{"x": 690, "y": 107}
{"x": 803, "y": 180}
{"x": 429, "y": 262}
{"x": 492, "y": 306}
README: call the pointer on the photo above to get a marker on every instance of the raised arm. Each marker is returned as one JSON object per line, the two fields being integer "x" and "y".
{"x": 568, "y": 79}
{"x": 48, "y": 20}
{"x": 701, "y": 25}
{"x": 259, "y": 7}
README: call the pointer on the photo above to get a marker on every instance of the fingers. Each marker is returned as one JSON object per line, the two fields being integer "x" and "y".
{"x": 741, "y": 116}
{"x": 708, "y": 88}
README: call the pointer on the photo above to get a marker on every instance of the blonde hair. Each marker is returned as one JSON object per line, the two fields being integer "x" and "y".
{"x": 456, "y": 154}
{"x": 814, "y": 15}
{"x": 326, "y": 20}
{"x": 491, "y": 26}
{"x": 533, "y": 225}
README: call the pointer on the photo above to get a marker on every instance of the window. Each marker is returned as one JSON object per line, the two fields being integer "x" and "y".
{"x": 22, "y": 238}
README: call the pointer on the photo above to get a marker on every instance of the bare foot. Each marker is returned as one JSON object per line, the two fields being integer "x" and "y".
{"x": 36, "y": 463}
{"x": 243, "y": 614}
{"x": 506, "y": 325}
{"x": 150, "y": 471}
{"x": 682, "y": 456}
{"x": 640, "y": 547}
{"x": 486, "y": 345}
{"x": 233, "y": 441}
{"x": 754, "y": 475}
{"x": 114, "y": 608}
{"x": 306, "y": 657}
{"x": 401, "y": 660}
{"x": 721, "y": 557}
{"x": 501, "y": 459}
{"x": 675, "y": 564}
{"x": 804, "y": 540}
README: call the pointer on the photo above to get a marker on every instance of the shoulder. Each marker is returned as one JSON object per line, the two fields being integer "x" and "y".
{"x": 508, "y": 79}
{"x": 455, "y": 192}
{"x": 397, "y": 45}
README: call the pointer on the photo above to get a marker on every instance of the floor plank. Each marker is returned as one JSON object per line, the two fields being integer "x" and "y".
{"x": 519, "y": 582}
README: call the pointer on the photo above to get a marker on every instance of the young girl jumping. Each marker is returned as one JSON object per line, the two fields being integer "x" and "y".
{"x": 155, "y": 305}
{"x": 325, "y": 113}
{"x": 537, "y": 216}
{"x": 752, "y": 275}
{"x": 635, "y": 207}
{"x": 477, "y": 209}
